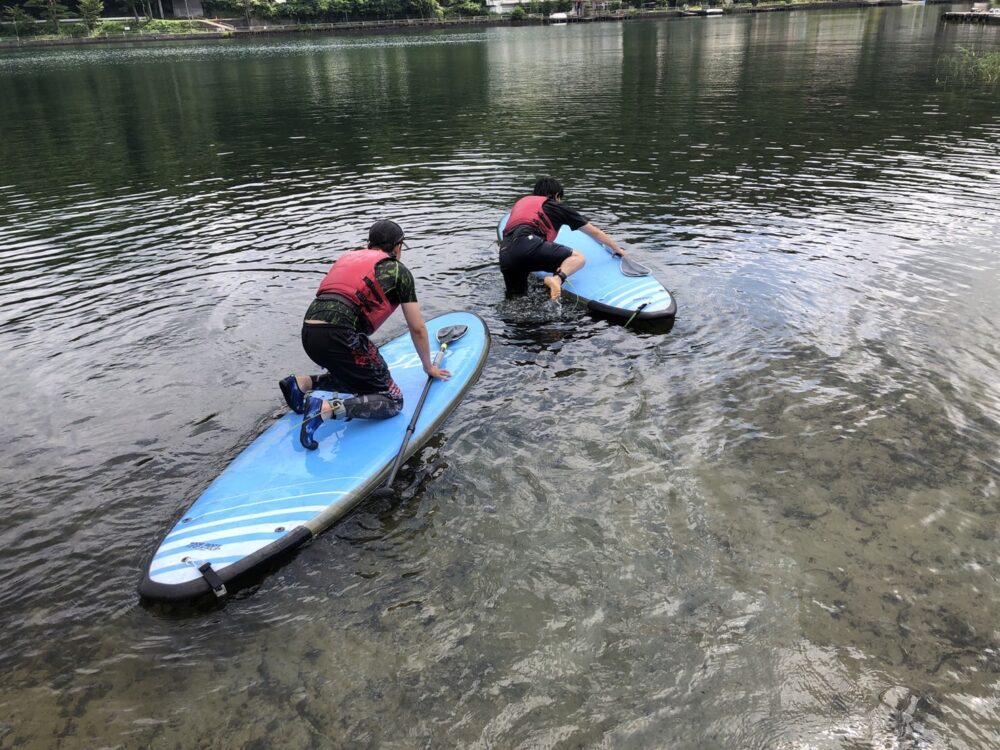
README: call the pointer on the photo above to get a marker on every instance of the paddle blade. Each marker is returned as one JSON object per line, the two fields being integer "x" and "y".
{"x": 628, "y": 266}
{"x": 451, "y": 333}
{"x": 633, "y": 268}
{"x": 383, "y": 493}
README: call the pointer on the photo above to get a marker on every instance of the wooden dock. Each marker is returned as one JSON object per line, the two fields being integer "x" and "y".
{"x": 981, "y": 17}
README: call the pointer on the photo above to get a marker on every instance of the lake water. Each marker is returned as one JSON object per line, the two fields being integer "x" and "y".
{"x": 775, "y": 526}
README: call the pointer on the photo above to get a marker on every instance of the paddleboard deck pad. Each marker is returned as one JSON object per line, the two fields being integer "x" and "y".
{"x": 604, "y": 289}
{"x": 276, "y": 495}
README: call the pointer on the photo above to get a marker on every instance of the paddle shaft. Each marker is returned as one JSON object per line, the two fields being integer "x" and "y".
{"x": 412, "y": 426}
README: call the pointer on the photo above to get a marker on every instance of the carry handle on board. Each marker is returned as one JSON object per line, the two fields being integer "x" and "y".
{"x": 629, "y": 267}
{"x": 444, "y": 336}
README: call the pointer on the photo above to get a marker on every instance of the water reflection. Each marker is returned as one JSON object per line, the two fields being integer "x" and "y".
{"x": 772, "y": 527}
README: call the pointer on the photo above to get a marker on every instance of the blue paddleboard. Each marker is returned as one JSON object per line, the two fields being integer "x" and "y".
{"x": 276, "y": 495}
{"x": 605, "y": 290}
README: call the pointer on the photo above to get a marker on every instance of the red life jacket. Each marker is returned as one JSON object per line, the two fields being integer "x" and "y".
{"x": 353, "y": 276}
{"x": 529, "y": 211}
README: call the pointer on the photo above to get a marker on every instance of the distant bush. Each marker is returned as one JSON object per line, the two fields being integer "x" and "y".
{"x": 989, "y": 67}
{"x": 164, "y": 26}
{"x": 968, "y": 68}
{"x": 464, "y": 9}
{"x": 158, "y": 26}
{"x": 73, "y": 29}
{"x": 109, "y": 28}
{"x": 518, "y": 14}
{"x": 22, "y": 29}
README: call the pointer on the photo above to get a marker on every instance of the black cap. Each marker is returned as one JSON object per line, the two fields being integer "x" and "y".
{"x": 385, "y": 235}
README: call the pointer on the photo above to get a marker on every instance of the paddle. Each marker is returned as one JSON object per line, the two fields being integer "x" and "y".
{"x": 629, "y": 267}
{"x": 444, "y": 336}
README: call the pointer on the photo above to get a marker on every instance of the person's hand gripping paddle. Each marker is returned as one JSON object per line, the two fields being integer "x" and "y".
{"x": 445, "y": 336}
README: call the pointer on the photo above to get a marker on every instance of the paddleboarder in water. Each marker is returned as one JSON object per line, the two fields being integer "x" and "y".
{"x": 528, "y": 239}
{"x": 358, "y": 294}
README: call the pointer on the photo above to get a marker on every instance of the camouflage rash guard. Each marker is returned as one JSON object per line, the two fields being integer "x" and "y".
{"x": 392, "y": 276}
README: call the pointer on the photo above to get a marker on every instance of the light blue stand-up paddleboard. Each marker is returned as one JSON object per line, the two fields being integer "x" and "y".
{"x": 276, "y": 495}
{"x": 606, "y": 290}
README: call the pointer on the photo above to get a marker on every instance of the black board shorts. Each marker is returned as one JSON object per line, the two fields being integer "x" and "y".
{"x": 522, "y": 254}
{"x": 353, "y": 362}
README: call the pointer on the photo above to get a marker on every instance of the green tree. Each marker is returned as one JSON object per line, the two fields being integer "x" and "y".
{"x": 91, "y": 11}
{"x": 254, "y": 8}
{"x": 53, "y": 10}
{"x": 424, "y": 8}
{"x": 17, "y": 17}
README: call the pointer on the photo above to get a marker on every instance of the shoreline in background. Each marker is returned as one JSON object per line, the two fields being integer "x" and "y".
{"x": 404, "y": 24}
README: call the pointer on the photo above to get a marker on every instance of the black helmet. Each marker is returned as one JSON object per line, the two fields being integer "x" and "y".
{"x": 385, "y": 235}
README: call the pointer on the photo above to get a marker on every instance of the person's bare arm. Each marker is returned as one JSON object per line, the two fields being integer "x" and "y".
{"x": 598, "y": 234}
{"x": 421, "y": 341}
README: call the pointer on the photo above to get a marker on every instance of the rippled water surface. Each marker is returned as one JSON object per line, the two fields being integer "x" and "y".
{"x": 775, "y": 526}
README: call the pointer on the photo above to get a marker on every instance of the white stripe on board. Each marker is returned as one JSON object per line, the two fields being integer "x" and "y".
{"x": 220, "y": 536}
{"x": 626, "y": 284}
{"x": 233, "y": 519}
{"x": 231, "y": 508}
{"x": 630, "y": 302}
{"x": 636, "y": 293}
{"x": 240, "y": 551}
{"x": 296, "y": 485}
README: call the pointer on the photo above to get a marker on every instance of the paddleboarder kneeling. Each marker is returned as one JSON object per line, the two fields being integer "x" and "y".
{"x": 528, "y": 239}
{"x": 357, "y": 295}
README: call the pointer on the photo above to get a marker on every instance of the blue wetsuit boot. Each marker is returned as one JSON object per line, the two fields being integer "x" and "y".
{"x": 314, "y": 418}
{"x": 294, "y": 396}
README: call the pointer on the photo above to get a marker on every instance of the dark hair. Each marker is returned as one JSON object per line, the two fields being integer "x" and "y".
{"x": 385, "y": 235}
{"x": 549, "y": 187}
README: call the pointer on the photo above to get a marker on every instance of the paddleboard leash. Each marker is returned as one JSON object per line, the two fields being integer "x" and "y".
{"x": 637, "y": 311}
